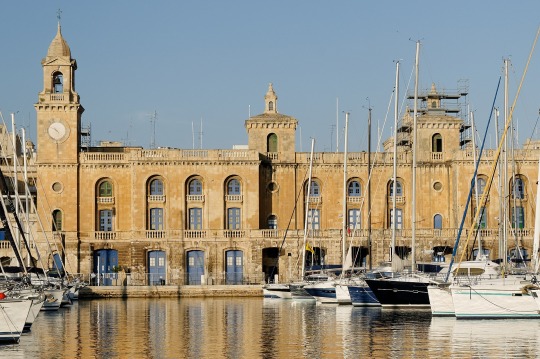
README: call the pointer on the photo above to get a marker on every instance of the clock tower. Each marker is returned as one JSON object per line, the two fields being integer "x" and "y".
{"x": 58, "y": 143}
{"x": 58, "y": 108}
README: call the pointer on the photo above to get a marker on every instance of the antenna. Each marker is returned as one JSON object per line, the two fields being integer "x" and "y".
{"x": 200, "y": 136}
{"x": 153, "y": 119}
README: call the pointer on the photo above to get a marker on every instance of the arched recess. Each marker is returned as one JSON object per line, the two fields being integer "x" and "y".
{"x": 272, "y": 143}
{"x": 437, "y": 143}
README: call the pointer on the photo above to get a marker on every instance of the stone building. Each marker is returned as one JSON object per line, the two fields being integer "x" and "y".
{"x": 184, "y": 216}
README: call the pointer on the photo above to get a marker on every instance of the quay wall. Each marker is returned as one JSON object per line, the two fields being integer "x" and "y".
{"x": 170, "y": 291}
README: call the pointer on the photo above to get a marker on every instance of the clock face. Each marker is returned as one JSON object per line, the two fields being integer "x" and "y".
{"x": 57, "y": 131}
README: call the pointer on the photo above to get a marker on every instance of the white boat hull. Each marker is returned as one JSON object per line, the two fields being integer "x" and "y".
{"x": 440, "y": 300}
{"x": 498, "y": 298}
{"x": 13, "y": 314}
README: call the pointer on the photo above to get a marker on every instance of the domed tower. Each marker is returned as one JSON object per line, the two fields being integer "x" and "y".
{"x": 58, "y": 108}
{"x": 58, "y": 141}
{"x": 272, "y": 133}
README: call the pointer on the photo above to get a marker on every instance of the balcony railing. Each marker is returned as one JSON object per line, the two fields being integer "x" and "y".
{"x": 317, "y": 199}
{"x": 436, "y": 156}
{"x": 355, "y": 199}
{"x": 234, "y": 198}
{"x": 105, "y": 235}
{"x": 105, "y": 200}
{"x": 234, "y": 233}
{"x": 195, "y": 198}
{"x": 156, "y": 198}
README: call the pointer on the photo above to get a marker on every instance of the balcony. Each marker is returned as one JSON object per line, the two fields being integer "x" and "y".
{"x": 317, "y": 199}
{"x": 234, "y": 198}
{"x": 194, "y": 233}
{"x": 355, "y": 199}
{"x": 105, "y": 200}
{"x": 234, "y": 233}
{"x": 105, "y": 235}
{"x": 195, "y": 198}
{"x": 156, "y": 198}
{"x": 399, "y": 199}
{"x": 437, "y": 156}
{"x": 154, "y": 234}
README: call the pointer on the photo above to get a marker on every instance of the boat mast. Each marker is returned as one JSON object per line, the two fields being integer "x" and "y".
{"x": 415, "y": 115}
{"x": 536, "y": 236}
{"x": 307, "y": 209}
{"x": 369, "y": 188}
{"x": 505, "y": 173}
{"x": 344, "y": 210}
{"x": 394, "y": 175}
{"x": 478, "y": 256}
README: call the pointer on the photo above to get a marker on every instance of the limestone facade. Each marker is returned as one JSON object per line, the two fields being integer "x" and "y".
{"x": 237, "y": 216}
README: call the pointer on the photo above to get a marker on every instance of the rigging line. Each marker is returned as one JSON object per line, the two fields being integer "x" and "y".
{"x": 290, "y": 221}
{"x": 506, "y": 127}
{"x": 469, "y": 196}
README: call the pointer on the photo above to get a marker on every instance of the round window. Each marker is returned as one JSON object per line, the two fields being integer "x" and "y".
{"x": 272, "y": 186}
{"x": 437, "y": 186}
{"x": 57, "y": 187}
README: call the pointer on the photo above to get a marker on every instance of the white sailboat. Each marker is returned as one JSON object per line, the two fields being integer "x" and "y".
{"x": 512, "y": 296}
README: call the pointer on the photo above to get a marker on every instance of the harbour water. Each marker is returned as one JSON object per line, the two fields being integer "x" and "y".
{"x": 264, "y": 328}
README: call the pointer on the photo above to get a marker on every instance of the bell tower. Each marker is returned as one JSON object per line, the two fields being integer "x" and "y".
{"x": 58, "y": 107}
{"x": 58, "y": 113}
{"x": 272, "y": 133}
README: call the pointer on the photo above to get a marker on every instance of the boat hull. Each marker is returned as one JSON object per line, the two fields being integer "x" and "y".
{"x": 440, "y": 300}
{"x": 13, "y": 317}
{"x": 362, "y": 296}
{"x": 400, "y": 292}
{"x": 494, "y": 299}
{"x": 277, "y": 291}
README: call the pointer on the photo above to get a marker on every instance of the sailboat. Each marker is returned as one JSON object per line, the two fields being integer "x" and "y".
{"x": 509, "y": 296}
{"x": 336, "y": 291}
{"x": 399, "y": 289}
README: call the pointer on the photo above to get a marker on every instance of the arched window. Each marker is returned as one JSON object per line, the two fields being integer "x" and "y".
{"x": 518, "y": 190}
{"x": 437, "y": 221}
{"x": 105, "y": 189}
{"x": 57, "y": 220}
{"x": 315, "y": 190}
{"x": 354, "y": 189}
{"x": 58, "y": 82}
{"x": 433, "y": 104}
{"x": 195, "y": 187}
{"x": 436, "y": 145}
{"x": 156, "y": 187}
{"x": 233, "y": 187}
{"x": 272, "y": 143}
{"x": 399, "y": 189}
{"x": 271, "y": 106}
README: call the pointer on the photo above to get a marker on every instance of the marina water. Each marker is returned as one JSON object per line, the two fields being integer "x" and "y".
{"x": 264, "y": 328}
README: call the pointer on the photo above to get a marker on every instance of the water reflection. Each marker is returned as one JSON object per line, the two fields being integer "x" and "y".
{"x": 257, "y": 328}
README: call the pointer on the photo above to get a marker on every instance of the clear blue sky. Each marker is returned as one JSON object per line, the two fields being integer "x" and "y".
{"x": 213, "y": 60}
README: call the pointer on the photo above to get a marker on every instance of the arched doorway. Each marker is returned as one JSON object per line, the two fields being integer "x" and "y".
{"x": 195, "y": 267}
{"x": 105, "y": 264}
{"x": 234, "y": 270}
{"x": 156, "y": 268}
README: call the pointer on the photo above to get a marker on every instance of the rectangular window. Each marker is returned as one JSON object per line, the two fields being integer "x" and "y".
{"x": 238, "y": 261}
{"x": 518, "y": 217}
{"x": 354, "y": 218}
{"x": 233, "y": 221}
{"x": 105, "y": 220}
{"x": 195, "y": 218}
{"x": 399, "y": 218}
{"x": 161, "y": 261}
{"x": 156, "y": 219}
{"x": 314, "y": 219}
{"x": 152, "y": 262}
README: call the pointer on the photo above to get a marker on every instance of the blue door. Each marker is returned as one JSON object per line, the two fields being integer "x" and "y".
{"x": 195, "y": 267}
{"x": 105, "y": 261}
{"x": 58, "y": 265}
{"x": 156, "y": 268}
{"x": 235, "y": 267}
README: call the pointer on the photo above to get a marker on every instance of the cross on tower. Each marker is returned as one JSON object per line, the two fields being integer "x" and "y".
{"x": 59, "y": 14}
